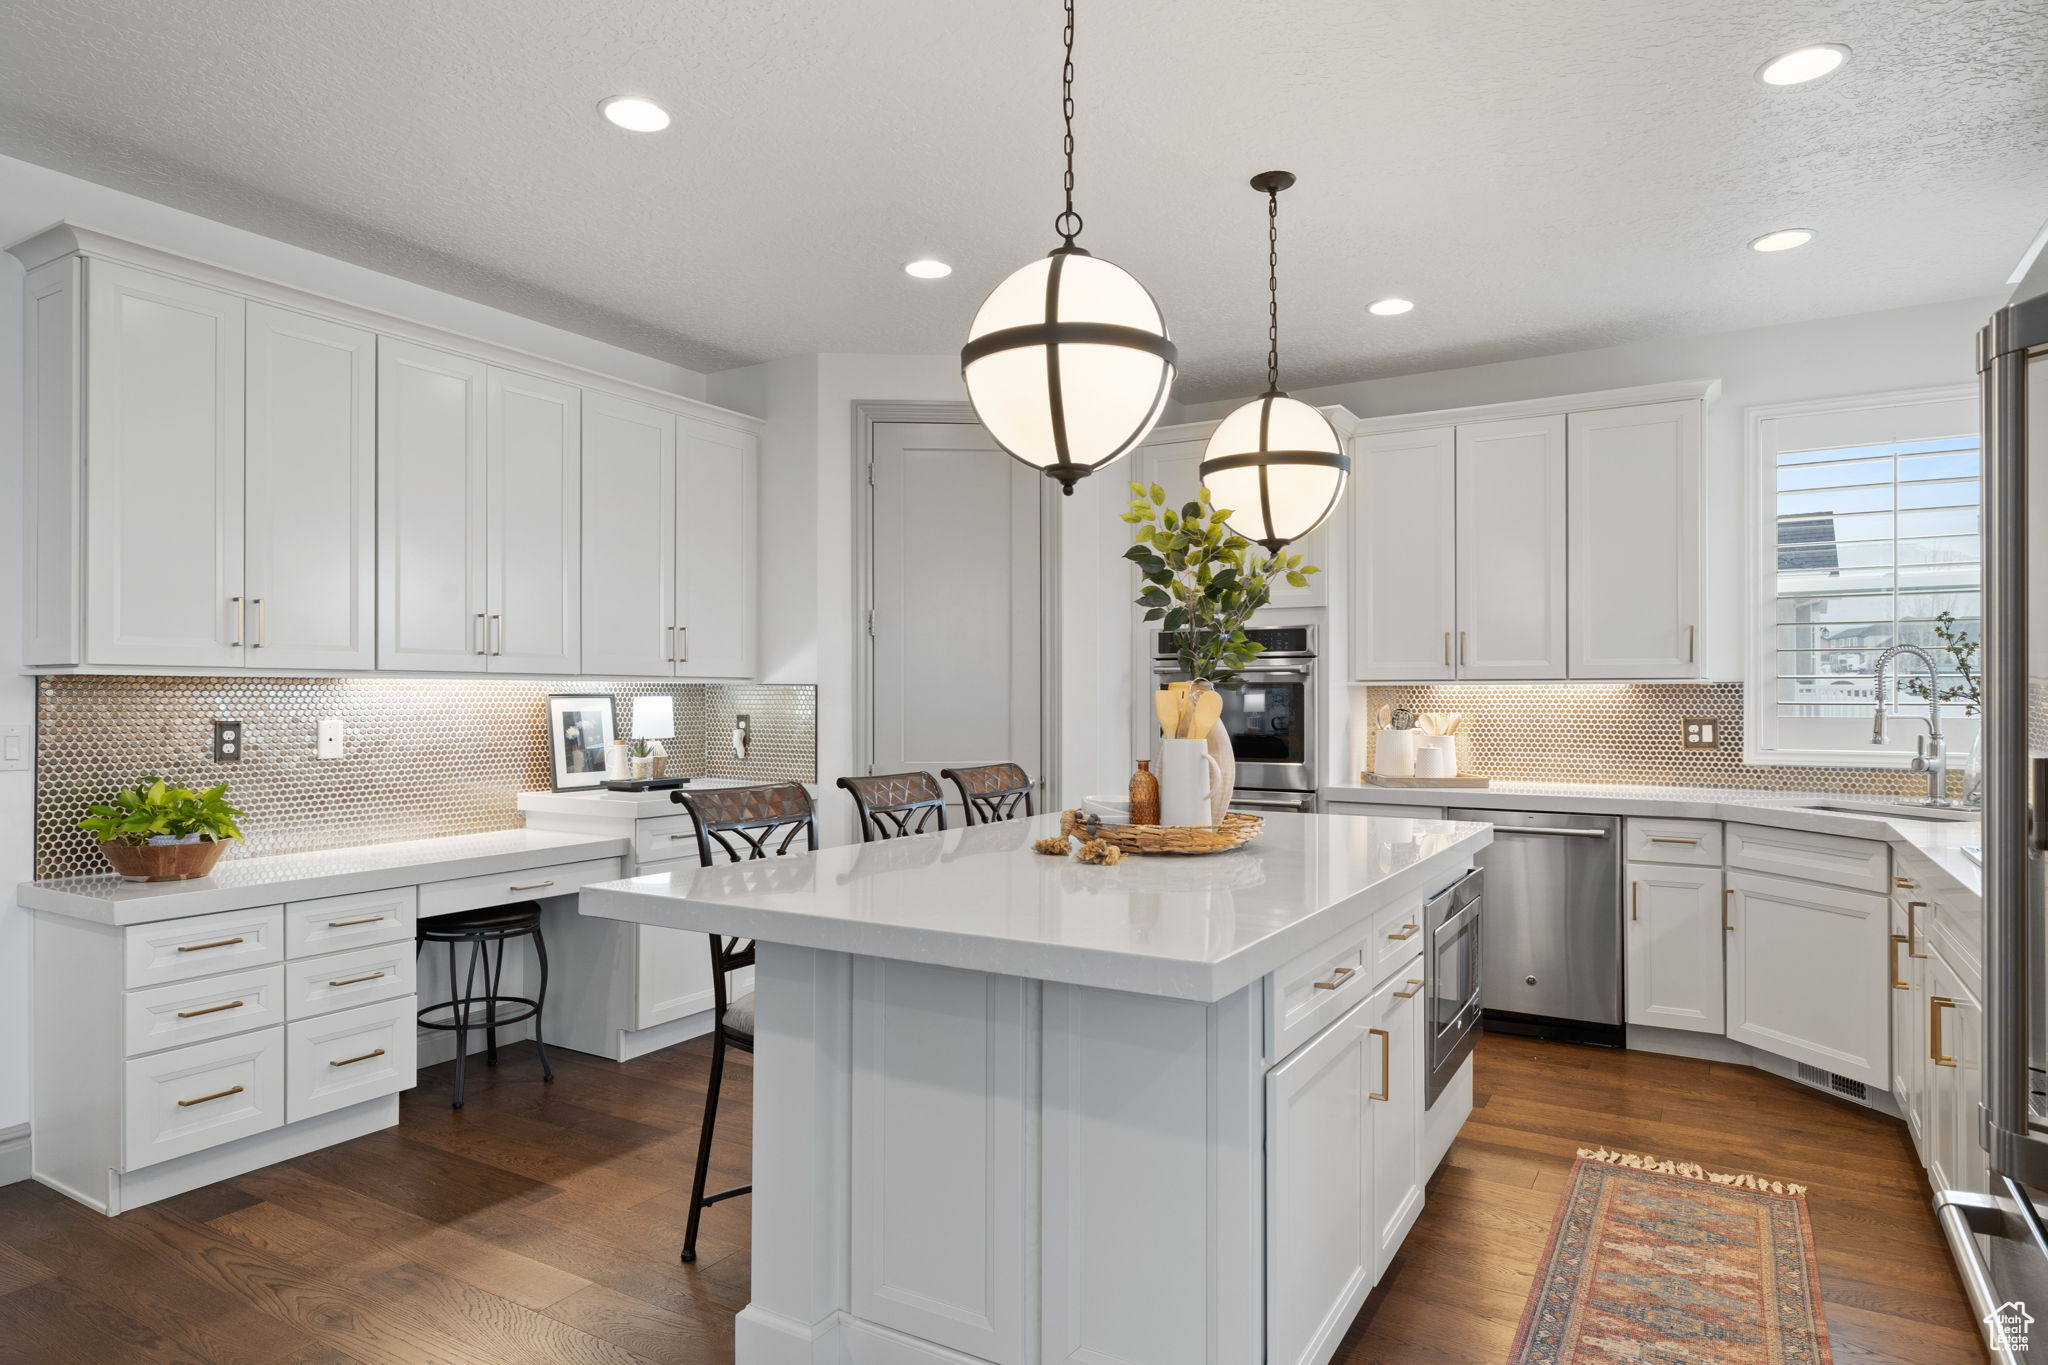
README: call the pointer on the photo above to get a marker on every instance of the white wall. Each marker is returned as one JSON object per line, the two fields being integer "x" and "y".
{"x": 1903, "y": 348}
{"x": 32, "y": 198}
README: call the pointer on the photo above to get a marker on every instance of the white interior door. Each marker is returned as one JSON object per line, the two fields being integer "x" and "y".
{"x": 430, "y": 509}
{"x": 163, "y": 471}
{"x": 310, "y": 492}
{"x": 534, "y": 459}
{"x": 1637, "y": 505}
{"x": 1511, "y": 549}
{"x": 957, "y": 566}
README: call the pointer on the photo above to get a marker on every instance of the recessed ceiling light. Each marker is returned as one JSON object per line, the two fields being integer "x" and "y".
{"x": 1389, "y": 308}
{"x": 634, "y": 114}
{"x": 1784, "y": 239}
{"x": 928, "y": 269}
{"x": 1805, "y": 64}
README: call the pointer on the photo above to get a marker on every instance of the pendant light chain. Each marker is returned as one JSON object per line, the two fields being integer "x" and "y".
{"x": 1273, "y": 291}
{"x": 1068, "y": 224}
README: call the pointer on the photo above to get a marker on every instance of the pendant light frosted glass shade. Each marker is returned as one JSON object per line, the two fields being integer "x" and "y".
{"x": 1068, "y": 364}
{"x": 1279, "y": 466}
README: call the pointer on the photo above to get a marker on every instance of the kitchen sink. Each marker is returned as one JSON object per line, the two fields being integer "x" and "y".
{"x": 1897, "y": 810}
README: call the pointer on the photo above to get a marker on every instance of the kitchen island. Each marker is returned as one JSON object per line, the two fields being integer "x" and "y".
{"x": 1012, "y": 1108}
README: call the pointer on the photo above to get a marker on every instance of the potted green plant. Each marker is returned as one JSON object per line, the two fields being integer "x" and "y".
{"x": 643, "y": 760}
{"x": 154, "y": 832}
{"x": 1202, "y": 584}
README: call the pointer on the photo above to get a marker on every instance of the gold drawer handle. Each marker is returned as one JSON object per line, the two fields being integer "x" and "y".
{"x": 352, "y": 980}
{"x": 1913, "y": 927}
{"x": 1898, "y": 983}
{"x": 1672, "y": 839}
{"x": 345, "y": 923}
{"x": 216, "y": 1095}
{"x": 1343, "y": 978}
{"x": 1726, "y": 897}
{"x": 1934, "y": 1052}
{"x": 1386, "y": 1071}
{"x": 1407, "y": 931}
{"x": 532, "y": 886}
{"x": 351, "y": 1061}
{"x": 210, "y": 1009}
{"x": 1905, "y": 882}
{"x": 1408, "y": 995}
{"x": 217, "y": 943}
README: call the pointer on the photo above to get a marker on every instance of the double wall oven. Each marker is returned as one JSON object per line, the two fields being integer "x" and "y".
{"x": 1272, "y": 720}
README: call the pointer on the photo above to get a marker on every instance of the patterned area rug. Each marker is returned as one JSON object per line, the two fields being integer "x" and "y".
{"x": 1662, "y": 1263}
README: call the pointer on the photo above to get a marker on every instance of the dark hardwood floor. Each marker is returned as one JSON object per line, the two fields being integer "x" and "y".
{"x": 540, "y": 1225}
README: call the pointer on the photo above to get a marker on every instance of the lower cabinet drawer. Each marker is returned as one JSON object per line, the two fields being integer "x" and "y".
{"x": 535, "y": 883}
{"x": 339, "y": 981}
{"x": 1832, "y": 859}
{"x": 200, "y": 945}
{"x": 342, "y": 1059}
{"x": 184, "y": 1101}
{"x": 1695, "y": 843}
{"x": 194, "y": 1011}
{"x": 338, "y": 922}
{"x": 1396, "y": 937}
{"x": 1314, "y": 989}
{"x": 664, "y": 837}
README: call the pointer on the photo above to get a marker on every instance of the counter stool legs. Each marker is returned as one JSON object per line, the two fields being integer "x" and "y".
{"x": 540, "y": 998}
{"x": 485, "y": 931}
{"x": 698, "y": 1199}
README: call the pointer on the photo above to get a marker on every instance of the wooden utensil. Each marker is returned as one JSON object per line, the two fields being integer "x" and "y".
{"x": 1196, "y": 691}
{"x": 1171, "y": 727}
{"x": 1208, "y": 708}
{"x": 1167, "y": 705}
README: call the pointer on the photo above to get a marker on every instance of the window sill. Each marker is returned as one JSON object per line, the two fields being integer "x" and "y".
{"x": 1875, "y": 759}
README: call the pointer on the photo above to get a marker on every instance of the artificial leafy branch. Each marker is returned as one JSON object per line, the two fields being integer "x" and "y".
{"x": 1203, "y": 581}
{"x": 1963, "y": 650}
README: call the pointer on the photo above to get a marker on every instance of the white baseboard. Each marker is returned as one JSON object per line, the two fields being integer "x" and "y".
{"x": 764, "y": 1338}
{"x": 1714, "y": 1047}
{"x": 15, "y": 1164}
{"x": 230, "y": 1159}
{"x": 639, "y": 1042}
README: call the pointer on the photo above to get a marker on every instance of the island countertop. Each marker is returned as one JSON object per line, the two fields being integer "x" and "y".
{"x": 1193, "y": 928}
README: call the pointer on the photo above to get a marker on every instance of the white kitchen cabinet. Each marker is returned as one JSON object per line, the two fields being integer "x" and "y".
{"x": 715, "y": 571}
{"x": 431, "y": 510}
{"x": 629, "y": 538}
{"x": 1637, "y": 504}
{"x": 163, "y": 471}
{"x": 1672, "y": 947}
{"x": 1395, "y": 1108}
{"x": 533, "y": 481}
{"x": 1404, "y": 504}
{"x": 1908, "y": 977}
{"x": 1954, "y": 1031}
{"x": 1321, "y": 1245}
{"x": 1807, "y": 974}
{"x": 309, "y": 493}
{"x": 1511, "y": 549}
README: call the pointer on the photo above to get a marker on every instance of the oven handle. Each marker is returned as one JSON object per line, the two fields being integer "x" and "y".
{"x": 1302, "y": 805}
{"x": 1175, "y": 674}
{"x": 1456, "y": 922}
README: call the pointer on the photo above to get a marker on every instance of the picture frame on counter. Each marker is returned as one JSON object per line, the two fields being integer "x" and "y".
{"x": 579, "y": 729}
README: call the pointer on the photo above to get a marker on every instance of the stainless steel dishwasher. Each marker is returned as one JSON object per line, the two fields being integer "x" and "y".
{"x": 1552, "y": 966}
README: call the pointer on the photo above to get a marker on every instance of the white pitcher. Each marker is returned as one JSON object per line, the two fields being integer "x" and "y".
{"x": 1188, "y": 778}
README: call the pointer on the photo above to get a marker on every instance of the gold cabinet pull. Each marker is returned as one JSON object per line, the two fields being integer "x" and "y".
{"x": 1672, "y": 839}
{"x": 1726, "y": 897}
{"x": 210, "y": 1009}
{"x": 1692, "y": 644}
{"x": 351, "y": 1061}
{"x": 1906, "y": 883}
{"x": 1447, "y": 649}
{"x": 1913, "y": 927}
{"x": 682, "y": 644}
{"x": 262, "y": 626}
{"x": 483, "y": 633}
{"x": 1408, "y": 931}
{"x": 239, "y": 618}
{"x": 1408, "y": 995}
{"x": 1898, "y": 983}
{"x": 345, "y": 923}
{"x": 1461, "y": 646}
{"x": 671, "y": 644}
{"x": 1934, "y": 1052}
{"x": 1386, "y": 1074}
{"x": 532, "y": 886}
{"x": 1343, "y": 975}
{"x": 352, "y": 980}
{"x": 216, "y": 1095}
{"x": 200, "y": 947}
{"x": 1635, "y": 899}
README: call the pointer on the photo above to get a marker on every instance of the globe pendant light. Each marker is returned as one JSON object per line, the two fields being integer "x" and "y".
{"x": 1068, "y": 363}
{"x": 1276, "y": 462}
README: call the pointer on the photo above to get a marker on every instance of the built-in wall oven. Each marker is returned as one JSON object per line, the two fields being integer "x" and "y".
{"x": 1452, "y": 921}
{"x": 1272, "y": 720}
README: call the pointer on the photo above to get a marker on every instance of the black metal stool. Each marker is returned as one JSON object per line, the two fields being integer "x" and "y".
{"x": 480, "y": 929}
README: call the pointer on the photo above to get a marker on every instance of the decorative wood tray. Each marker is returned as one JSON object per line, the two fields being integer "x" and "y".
{"x": 1465, "y": 781}
{"x": 1237, "y": 830}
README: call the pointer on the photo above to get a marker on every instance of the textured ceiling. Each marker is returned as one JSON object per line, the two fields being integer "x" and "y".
{"x": 1538, "y": 177}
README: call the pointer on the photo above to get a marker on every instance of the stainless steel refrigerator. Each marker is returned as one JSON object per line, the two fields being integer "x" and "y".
{"x": 1999, "y": 1242}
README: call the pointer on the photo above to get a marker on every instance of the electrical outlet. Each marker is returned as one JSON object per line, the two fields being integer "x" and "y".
{"x": 1701, "y": 732}
{"x": 228, "y": 741}
{"x": 742, "y": 736}
{"x": 328, "y": 745}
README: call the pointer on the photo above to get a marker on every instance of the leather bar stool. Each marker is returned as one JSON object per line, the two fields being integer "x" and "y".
{"x": 992, "y": 792}
{"x": 492, "y": 1010}
{"x": 896, "y": 804}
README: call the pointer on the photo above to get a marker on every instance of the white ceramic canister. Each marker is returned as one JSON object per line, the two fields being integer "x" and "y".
{"x": 1188, "y": 777}
{"x": 1437, "y": 756}
{"x": 1393, "y": 753}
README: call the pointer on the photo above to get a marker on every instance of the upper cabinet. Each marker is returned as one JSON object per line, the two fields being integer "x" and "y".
{"x": 226, "y": 474}
{"x": 1536, "y": 546}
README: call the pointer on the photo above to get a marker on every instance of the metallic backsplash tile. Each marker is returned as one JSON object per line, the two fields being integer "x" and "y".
{"x": 423, "y": 756}
{"x": 1625, "y": 733}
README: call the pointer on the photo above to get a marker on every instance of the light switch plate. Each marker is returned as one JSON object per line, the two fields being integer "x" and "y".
{"x": 1701, "y": 732}
{"x": 329, "y": 743}
{"x": 17, "y": 748}
{"x": 228, "y": 741}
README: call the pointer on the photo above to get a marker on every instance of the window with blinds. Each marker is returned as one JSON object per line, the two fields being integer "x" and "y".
{"x": 1873, "y": 543}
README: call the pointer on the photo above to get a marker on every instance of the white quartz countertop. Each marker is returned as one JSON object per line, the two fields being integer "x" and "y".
{"x": 1195, "y": 928}
{"x": 1941, "y": 842}
{"x": 240, "y": 883}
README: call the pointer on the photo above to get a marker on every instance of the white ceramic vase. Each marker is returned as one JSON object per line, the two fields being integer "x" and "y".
{"x": 1188, "y": 779}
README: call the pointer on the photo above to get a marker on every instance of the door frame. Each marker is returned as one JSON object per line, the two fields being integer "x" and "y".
{"x": 867, "y": 415}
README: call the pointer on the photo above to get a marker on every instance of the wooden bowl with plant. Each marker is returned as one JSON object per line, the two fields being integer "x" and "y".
{"x": 154, "y": 832}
